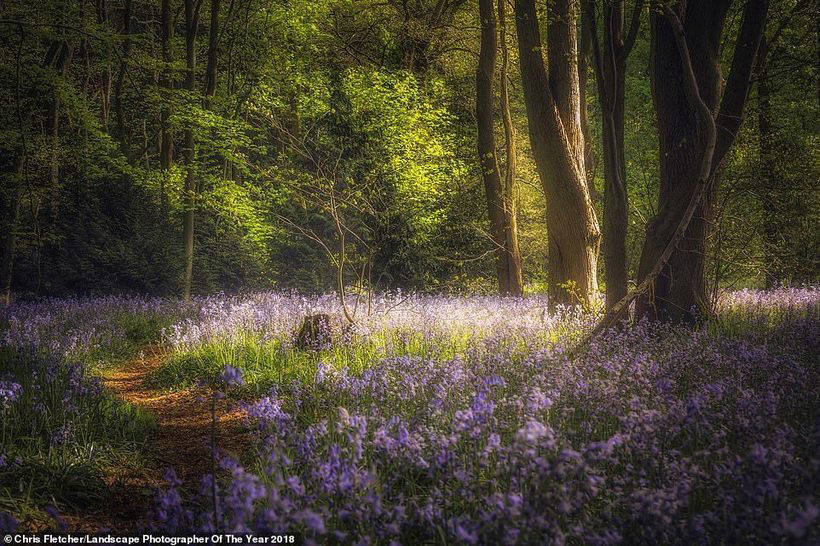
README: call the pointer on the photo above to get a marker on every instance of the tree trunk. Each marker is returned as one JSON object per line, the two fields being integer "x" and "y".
{"x": 678, "y": 293}
{"x": 105, "y": 88}
{"x": 166, "y": 139}
{"x": 189, "y": 198}
{"x": 553, "y": 111}
{"x": 57, "y": 56}
{"x": 610, "y": 70}
{"x": 500, "y": 205}
{"x": 584, "y": 52}
{"x": 490, "y": 172}
{"x": 515, "y": 274}
{"x": 213, "y": 49}
{"x": 126, "y": 49}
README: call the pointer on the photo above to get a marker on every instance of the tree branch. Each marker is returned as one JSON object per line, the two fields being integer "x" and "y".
{"x": 693, "y": 96}
{"x": 634, "y": 27}
{"x": 738, "y": 82}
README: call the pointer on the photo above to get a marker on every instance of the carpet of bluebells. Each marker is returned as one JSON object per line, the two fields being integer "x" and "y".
{"x": 58, "y": 428}
{"x": 479, "y": 420}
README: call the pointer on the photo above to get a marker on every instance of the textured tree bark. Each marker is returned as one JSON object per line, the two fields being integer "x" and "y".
{"x": 710, "y": 157}
{"x": 678, "y": 293}
{"x": 553, "y": 110}
{"x": 500, "y": 204}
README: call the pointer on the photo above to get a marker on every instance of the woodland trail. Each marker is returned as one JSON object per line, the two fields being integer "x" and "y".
{"x": 181, "y": 440}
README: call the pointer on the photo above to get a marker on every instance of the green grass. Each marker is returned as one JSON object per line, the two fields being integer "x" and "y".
{"x": 104, "y": 434}
{"x": 132, "y": 332}
{"x": 266, "y": 363}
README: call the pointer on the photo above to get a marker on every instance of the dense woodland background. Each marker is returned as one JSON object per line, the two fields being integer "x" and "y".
{"x": 283, "y": 142}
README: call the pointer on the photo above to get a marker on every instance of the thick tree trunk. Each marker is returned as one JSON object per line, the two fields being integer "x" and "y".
{"x": 717, "y": 132}
{"x": 680, "y": 289}
{"x": 553, "y": 111}
{"x": 500, "y": 205}
{"x": 678, "y": 293}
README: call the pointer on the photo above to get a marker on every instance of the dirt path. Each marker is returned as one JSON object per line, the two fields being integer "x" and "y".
{"x": 181, "y": 440}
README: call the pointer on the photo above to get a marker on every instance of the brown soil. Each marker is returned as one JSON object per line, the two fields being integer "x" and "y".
{"x": 181, "y": 440}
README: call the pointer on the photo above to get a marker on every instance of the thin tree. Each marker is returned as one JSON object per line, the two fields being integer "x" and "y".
{"x": 124, "y": 60}
{"x": 166, "y": 140}
{"x": 500, "y": 203}
{"x": 773, "y": 217}
{"x": 515, "y": 275}
{"x": 609, "y": 63}
{"x": 189, "y": 153}
{"x": 56, "y": 58}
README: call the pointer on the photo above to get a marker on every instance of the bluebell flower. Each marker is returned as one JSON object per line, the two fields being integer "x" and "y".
{"x": 232, "y": 376}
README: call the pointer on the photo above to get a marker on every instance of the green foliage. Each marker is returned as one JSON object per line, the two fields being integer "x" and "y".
{"x": 61, "y": 434}
{"x": 370, "y": 103}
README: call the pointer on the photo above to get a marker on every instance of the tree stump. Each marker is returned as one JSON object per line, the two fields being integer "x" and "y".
{"x": 314, "y": 333}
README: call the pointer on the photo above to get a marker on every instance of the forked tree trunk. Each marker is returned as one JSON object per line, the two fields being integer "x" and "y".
{"x": 500, "y": 205}
{"x": 717, "y": 132}
{"x": 553, "y": 110}
{"x": 610, "y": 72}
{"x": 678, "y": 293}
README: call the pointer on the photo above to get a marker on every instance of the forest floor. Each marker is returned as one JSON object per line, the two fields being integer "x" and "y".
{"x": 182, "y": 441}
